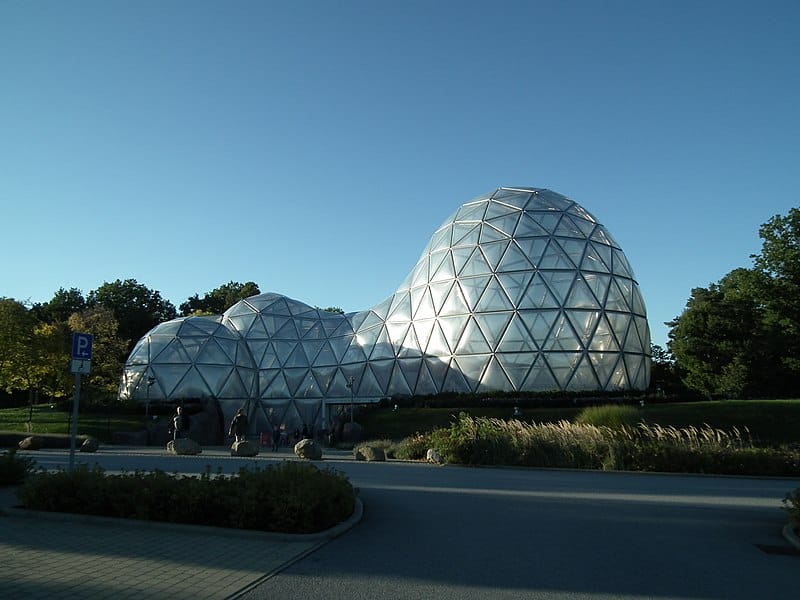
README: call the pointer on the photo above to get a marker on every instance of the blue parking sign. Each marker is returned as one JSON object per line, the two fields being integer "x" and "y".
{"x": 82, "y": 346}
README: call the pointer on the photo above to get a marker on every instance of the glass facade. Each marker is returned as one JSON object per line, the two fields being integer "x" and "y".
{"x": 519, "y": 290}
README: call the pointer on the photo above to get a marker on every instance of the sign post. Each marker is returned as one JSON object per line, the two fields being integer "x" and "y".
{"x": 81, "y": 363}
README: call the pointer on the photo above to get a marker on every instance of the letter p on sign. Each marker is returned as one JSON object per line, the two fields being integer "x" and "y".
{"x": 82, "y": 346}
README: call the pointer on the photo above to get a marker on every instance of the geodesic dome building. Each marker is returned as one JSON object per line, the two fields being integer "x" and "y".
{"x": 519, "y": 290}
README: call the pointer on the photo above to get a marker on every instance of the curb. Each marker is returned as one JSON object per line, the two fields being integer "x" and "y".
{"x": 267, "y": 536}
{"x": 791, "y": 536}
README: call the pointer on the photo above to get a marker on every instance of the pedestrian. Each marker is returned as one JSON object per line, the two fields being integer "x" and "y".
{"x": 276, "y": 437}
{"x": 180, "y": 424}
{"x": 238, "y": 426}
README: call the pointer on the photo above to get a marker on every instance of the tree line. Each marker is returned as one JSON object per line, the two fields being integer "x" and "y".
{"x": 35, "y": 339}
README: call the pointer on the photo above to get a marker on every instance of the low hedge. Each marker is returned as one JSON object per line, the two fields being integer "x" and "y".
{"x": 14, "y": 469}
{"x": 11, "y": 439}
{"x": 292, "y": 497}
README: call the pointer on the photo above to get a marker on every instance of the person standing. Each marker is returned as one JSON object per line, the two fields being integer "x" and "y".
{"x": 238, "y": 426}
{"x": 276, "y": 437}
{"x": 180, "y": 424}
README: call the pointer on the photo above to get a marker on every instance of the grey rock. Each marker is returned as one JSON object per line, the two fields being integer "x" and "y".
{"x": 308, "y": 449}
{"x": 245, "y": 448}
{"x": 32, "y": 442}
{"x": 90, "y": 444}
{"x": 370, "y": 454}
{"x": 183, "y": 446}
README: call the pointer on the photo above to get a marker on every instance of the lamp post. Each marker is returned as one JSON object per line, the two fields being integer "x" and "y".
{"x": 351, "y": 384}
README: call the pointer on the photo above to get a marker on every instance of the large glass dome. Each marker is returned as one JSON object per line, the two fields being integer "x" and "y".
{"x": 519, "y": 290}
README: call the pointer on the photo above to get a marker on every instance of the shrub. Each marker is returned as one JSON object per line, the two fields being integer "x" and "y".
{"x": 609, "y": 415}
{"x": 14, "y": 469}
{"x": 290, "y": 498}
{"x": 389, "y": 447}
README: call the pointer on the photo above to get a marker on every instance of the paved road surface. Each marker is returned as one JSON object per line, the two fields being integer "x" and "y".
{"x": 456, "y": 533}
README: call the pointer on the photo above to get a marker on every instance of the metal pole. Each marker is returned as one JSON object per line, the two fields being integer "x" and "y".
{"x": 352, "y": 397}
{"x": 74, "y": 425}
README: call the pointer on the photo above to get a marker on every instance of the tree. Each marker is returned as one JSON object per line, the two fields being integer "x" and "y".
{"x": 219, "y": 300}
{"x": 61, "y": 306}
{"x": 16, "y": 345}
{"x": 108, "y": 348}
{"x": 333, "y": 309}
{"x": 136, "y": 308}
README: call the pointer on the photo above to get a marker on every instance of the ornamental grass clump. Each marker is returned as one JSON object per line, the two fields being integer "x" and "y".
{"x": 485, "y": 441}
{"x": 289, "y": 498}
{"x": 615, "y": 416}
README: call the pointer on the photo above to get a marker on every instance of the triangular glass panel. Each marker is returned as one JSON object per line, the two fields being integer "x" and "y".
{"x": 619, "y": 378}
{"x": 472, "y": 211}
{"x": 473, "y": 369}
{"x": 602, "y": 235}
{"x": 241, "y": 323}
{"x": 560, "y": 283}
{"x": 277, "y": 387}
{"x": 461, "y": 257}
{"x": 423, "y": 331}
{"x": 604, "y": 364}
{"x": 297, "y": 358}
{"x": 562, "y": 337}
{"x": 425, "y": 383}
{"x": 600, "y": 258}
{"x": 455, "y": 304}
{"x": 420, "y": 274}
{"x": 583, "y": 377}
{"x": 454, "y": 380}
{"x": 581, "y": 295}
{"x": 473, "y": 288}
{"x": 496, "y": 210}
{"x": 466, "y": 234}
{"x": 438, "y": 368}
{"x": 240, "y": 309}
{"x": 562, "y": 365}
{"x": 516, "y": 337}
{"x": 581, "y": 213}
{"x": 411, "y": 346}
{"x": 506, "y": 224}
{"x": 574, "y": 249}
{"x": 436, "y": 260}
{"x": 371, "y": 321}
{"x": 620, "y": 322}
{"x": 410, "y": 368}
{"x": 494, "y": 378}
{"x": 494, "y": 298}
{"x": 168, "y": 376}
{"x": 475, "y": 265}
{"x": 294, "y": 378}
{"x": 309, "y": 388}
{"x": 554, "y": 201}
{"x": 445, "y": 270}
{"x": 527, "y": 226}
{"x": 603, "y": 339}
{"x": 547, "y": 220}
{"x": 441, "y": 239}
{"x": 280, "y": 307}
{"x": 397, "y": 333}
{"x": 472, "y": 341}
{"x": 494, "y": 252}
{"x": 261, "y": 301}
{"x": 599, "y": 285}
{"x": 633, "y": 342}
{"x": 369, "y": 385}
{"x": 215, "y": 378}
{"x": 287, "y": 331}
{"x": 633, "y": 365}
{"x": 401, "y": 308}
{"x": 533, "y": 249}
{"x": 638, "y": 302}
{"x": 312, "y": 348}
{"x": 424, "y": 308}
{"x": 540, "y": 377}
{"x": 358, "y": 319}
{"x": 324, "y": 377}
{"x": 340, "y": 345}
{"x": 191, "y": 386}
{"x": 516, "y": 198}
{"x": 382, "y": 309}
{"x": 568, "y": 228}
{"x": 644, "y": 332}
{"x": 437, "y": 344}
{"x": 382, "y": 371}
{"x": 312, "y": 330}
{"x": 269, "y": 359}
{"x": 453, "y": 327}
{"x": 439, "y": 293}
{"x": 616, "y": 298}
{"x": 516, "y": 366}
{"x": 491, "y": 234}
{"x": 283, "y": 350}
{"x": 515, "y": 284}
{"x": 367, "y": 338}
{"x": 539, "y": 323}
{"x": 383, "y": 347}
{"x": 212, "y": 354}
{"x": 325, "y": 356}
{"x": 398, "y": 384}
{"x": 331, "y": 323}
{"x": 140, "y": 354}
{"x": 556, "y": 258}
{"x": 493, "y": 326}
{"x": 621, "y": 265}
{"x": 514, "y": 259}
{"x": 173, "y": 353}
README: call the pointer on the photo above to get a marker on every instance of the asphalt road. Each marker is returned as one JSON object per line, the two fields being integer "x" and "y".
{"x": 457, "y": 533}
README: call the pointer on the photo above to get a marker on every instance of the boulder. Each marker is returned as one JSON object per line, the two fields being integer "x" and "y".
{"x": 90, "y": 444}
{"x": 433, "y": 456}
{"x": 245, "y": 448}
{"x": 32, "y": 442}
{"x": 183, "y": 446}
{"x": 308, "y": 449}
{"x": 370, "y": 454}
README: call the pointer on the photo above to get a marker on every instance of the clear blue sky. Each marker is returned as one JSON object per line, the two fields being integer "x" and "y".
{"x": 313, "y": 147}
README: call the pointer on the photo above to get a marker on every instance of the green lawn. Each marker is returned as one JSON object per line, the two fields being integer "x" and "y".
{"x": 52, "y": 420}
{"x": 771, "y": 422}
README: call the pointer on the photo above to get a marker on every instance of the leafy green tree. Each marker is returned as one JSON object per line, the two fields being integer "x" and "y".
{"x": 108, "y": 348}
{"x": 219, "y": 300}
{"x": 17, "y": 352}
{"x": 61, "y": 306}
{"x": 136, "y": 308}
{"x": 333, "y": 309}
